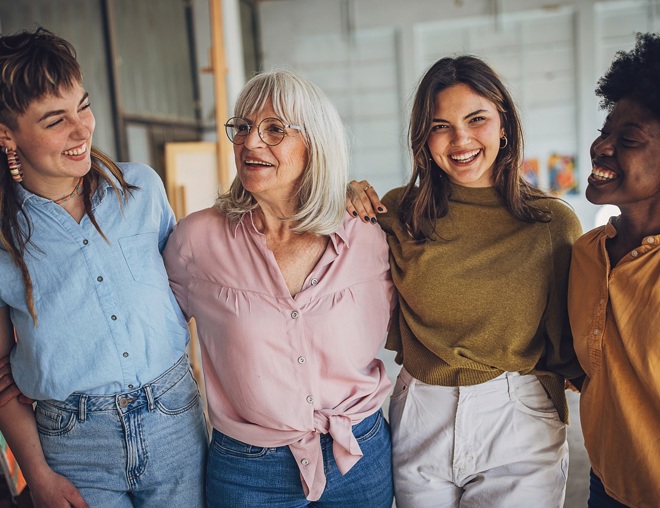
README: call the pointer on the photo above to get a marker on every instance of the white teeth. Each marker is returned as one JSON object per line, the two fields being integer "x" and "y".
{"x": 76, "y": 151}
{"x": 603, "y": 174}
{"x": 259, "y": 163}
{"x": 465, "y": 156}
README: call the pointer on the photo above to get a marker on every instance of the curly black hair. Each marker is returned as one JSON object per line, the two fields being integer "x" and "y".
{"x": 634, "y": 74}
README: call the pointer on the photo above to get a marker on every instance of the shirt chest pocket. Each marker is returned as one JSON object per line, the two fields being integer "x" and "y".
{"x": 144, "y": 260}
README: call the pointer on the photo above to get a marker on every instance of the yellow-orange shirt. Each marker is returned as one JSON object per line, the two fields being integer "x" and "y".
{"x": 615, "y": 318}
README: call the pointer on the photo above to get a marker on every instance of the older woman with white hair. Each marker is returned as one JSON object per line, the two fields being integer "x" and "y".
{"x": 292, "y": 300}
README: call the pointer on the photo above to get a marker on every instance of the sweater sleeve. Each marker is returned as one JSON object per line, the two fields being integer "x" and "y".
{"x": 560, "y": 356}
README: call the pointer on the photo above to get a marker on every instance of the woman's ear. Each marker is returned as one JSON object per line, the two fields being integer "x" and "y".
{"x": 7, "y": 137}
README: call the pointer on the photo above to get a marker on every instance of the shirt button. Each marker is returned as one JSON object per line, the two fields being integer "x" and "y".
{"x": 315, "y": 282}
{"x": 596, "y": 331}
{"x": 301, "y": 359}
{"x": 99, "y": 278}
{"x": 309, "y": 399}
{"x": 602, "y": 301}
{"x": 634, "y": 253}
{"x": 650, "y": 239}
{"x": 304, "y": 462}
{"x": 294, "y": 314}
{"x": 130, "y": 386}
{"x": 125, "y": 354}
{"x": 113, "y": 317}
{"x": 123, "y": 402}
{"x": 85, "y": 242}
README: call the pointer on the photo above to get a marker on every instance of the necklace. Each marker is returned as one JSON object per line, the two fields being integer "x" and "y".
{"x": 77, "y": 191}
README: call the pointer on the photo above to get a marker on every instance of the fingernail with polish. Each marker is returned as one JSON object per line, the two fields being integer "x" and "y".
{"x": 380, "y": 208}
{"x": 374, "y": 221}
{"x": 354, "y": 213}
{"x": 366, "y": 217}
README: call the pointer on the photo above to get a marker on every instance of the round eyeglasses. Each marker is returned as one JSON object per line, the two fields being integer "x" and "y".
{"x": 270, "y": 130}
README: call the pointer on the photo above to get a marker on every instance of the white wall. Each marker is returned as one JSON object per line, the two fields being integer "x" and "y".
{"x": 368, "y": 56}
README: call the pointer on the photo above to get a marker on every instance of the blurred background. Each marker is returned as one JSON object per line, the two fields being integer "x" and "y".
{"x": 163, "y": 76}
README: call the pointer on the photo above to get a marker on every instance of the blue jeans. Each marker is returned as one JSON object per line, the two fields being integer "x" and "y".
{"x": 598, "y": 498}
{"x": 239, "y": 475}
{"x": 144, "y": 448}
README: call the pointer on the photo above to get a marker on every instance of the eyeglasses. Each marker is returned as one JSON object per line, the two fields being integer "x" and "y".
{"x": 271, "y": 130}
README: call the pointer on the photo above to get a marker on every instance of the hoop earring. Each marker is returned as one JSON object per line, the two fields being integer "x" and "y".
{"x": 506, "y": 142}
{"x": 15, "y": 166}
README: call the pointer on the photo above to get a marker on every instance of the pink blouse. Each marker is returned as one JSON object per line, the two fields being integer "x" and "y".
{"x": 280, "y": 370}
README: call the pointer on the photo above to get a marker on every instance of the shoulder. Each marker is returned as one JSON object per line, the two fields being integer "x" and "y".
{"x": 198, "y": 222}
{"x": 358, "y": 232}
{"x": 136, "y": 173}
{"x": 392, "y": 198}
{"x": 564, "y": 221}
{"x": 589, "y": 238}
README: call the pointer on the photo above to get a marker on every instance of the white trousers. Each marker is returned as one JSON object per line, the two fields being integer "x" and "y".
{"x": 496, "y": 444}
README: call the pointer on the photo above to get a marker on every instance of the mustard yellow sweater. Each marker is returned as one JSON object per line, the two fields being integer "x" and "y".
{"x": 489, "y": 296}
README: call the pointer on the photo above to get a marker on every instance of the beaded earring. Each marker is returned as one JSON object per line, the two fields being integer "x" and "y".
{"x": 15, "y": 166}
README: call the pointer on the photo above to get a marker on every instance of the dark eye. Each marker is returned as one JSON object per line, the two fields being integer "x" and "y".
{"x": 438, "y": 127}
{"x": 85, "y": 106}
{"x": 274, "y": 128}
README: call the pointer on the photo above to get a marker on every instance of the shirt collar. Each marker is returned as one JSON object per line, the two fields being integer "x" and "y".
{"x": 338, "y": 237}
{"x": 103, "y": 188}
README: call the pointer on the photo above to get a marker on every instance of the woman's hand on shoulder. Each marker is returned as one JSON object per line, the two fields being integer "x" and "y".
{"x": 362, "y": 201}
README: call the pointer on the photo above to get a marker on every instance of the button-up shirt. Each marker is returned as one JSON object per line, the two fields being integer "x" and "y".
{"x": 281, "y": 370}
{"x": 107, "y": 319}
{"x": 615, "y": 317}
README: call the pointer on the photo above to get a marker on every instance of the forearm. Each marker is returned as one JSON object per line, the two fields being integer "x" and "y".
{"x": 19, "y": 428}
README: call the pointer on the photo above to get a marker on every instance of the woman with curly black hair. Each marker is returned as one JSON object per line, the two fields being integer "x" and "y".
{"x": 614, "y": 295}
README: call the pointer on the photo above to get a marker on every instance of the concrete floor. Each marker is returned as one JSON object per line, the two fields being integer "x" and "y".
{"x": 577, "y": 488}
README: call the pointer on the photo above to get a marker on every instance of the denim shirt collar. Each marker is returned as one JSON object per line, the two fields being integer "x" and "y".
{"x": 102, "y": 190}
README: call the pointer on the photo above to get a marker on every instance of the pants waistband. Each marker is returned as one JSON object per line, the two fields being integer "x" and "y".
{"x": 505, "y": 381}
{"x": 124, "y": 402}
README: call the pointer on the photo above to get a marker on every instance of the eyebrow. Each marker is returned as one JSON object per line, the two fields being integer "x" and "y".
{"x": 61, "y": 111}
{"x": 469, "y": 115}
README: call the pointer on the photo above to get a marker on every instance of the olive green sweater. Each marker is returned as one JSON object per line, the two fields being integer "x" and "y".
{"x": 488, "y": 296}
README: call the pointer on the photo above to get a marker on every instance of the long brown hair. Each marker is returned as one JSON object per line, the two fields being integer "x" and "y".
{"x": 426, "y": 196}
{"x": 34, "y": 65}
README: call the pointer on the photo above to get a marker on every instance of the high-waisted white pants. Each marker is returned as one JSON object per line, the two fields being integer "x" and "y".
{"x": 496, "y": 444}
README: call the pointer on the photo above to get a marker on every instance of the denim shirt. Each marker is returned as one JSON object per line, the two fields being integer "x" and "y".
{"x": 107, "y": 319}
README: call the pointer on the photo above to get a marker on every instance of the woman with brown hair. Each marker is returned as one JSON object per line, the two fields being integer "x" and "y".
{"x": 100, "y": 339}
{"x": 480, "y": 260}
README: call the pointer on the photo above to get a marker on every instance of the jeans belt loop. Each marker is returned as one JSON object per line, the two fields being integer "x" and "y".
{"x": 82, "y": 408}
{"x": 150, "y": 397}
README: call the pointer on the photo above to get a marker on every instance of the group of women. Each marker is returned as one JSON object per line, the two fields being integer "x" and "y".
{"x": 467, "y": 276}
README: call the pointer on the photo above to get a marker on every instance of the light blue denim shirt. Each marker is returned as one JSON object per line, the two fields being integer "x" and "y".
{"x": 107, "y": 319}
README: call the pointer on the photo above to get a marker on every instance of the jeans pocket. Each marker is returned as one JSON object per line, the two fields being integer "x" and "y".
{"x": 181, "y": 397}
{"x": 532, "y": 399}
{"x": 368, "y": 427}
{"x": 226, "y": 445}
{"x": 53, "y": 421}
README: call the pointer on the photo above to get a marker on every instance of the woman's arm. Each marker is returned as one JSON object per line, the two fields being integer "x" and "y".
{"x": 19, "y": 428}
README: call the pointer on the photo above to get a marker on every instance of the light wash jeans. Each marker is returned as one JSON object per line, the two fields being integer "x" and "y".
{"x": 498, "y": 444}
{"x": 144, "y": 448}
{"x": 243, "y": 476}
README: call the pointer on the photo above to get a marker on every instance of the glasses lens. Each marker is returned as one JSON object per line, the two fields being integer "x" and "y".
{"x": 237, "y": 130}
{"x": 272, "y": 131}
